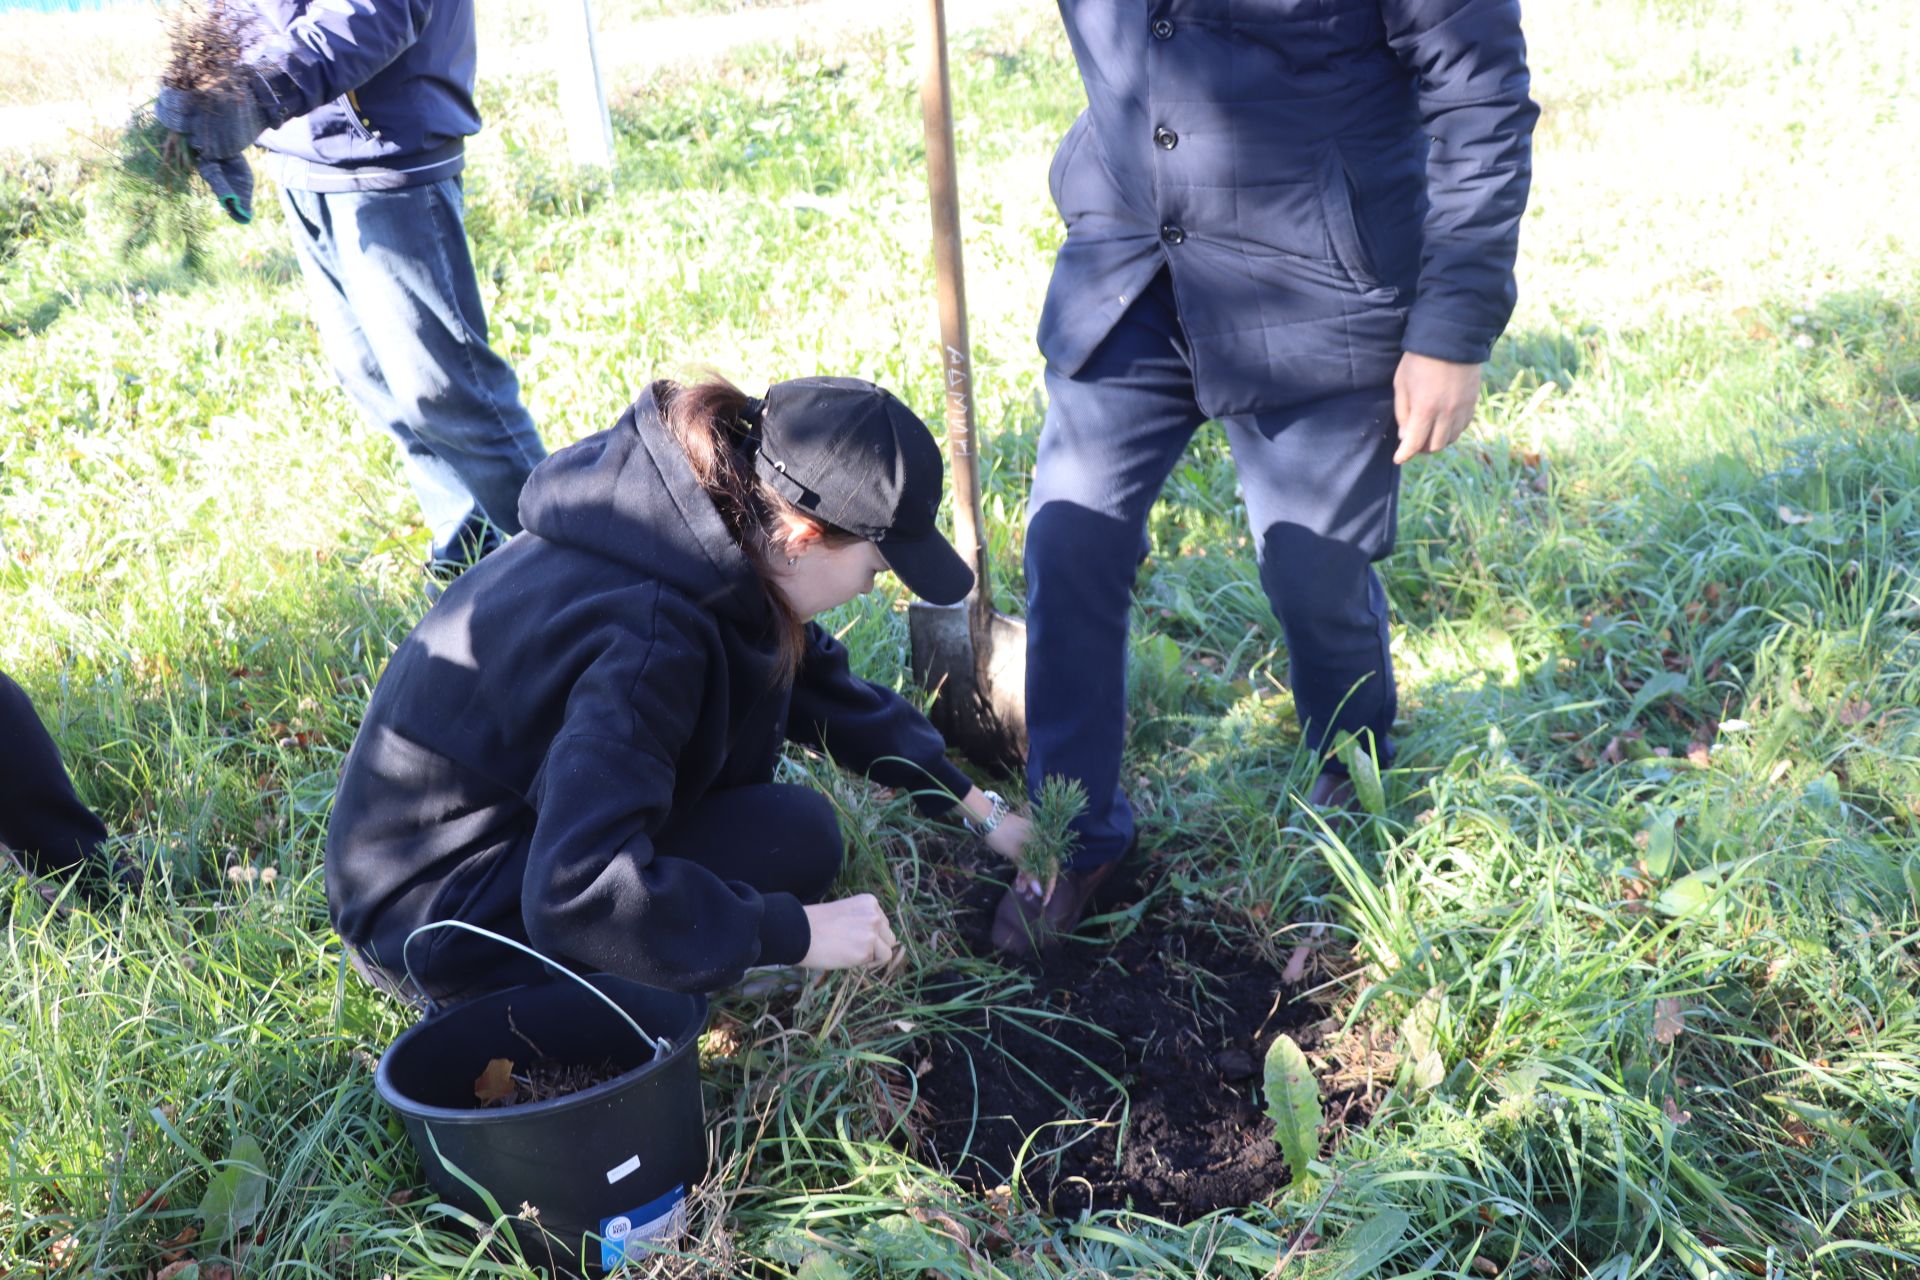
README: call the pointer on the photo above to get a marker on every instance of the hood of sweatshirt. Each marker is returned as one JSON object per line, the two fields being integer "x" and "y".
{"x": 629, "y": 495}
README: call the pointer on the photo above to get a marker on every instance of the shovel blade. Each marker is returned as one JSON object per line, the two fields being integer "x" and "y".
{"x": 978, "y": 678}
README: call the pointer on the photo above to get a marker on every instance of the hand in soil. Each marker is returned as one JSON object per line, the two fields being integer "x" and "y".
{"x": 1032, "y": 890}
{"x": 851, "y": 933}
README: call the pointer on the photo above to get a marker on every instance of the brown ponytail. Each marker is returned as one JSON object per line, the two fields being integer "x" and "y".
{"x": 705, "y": 419}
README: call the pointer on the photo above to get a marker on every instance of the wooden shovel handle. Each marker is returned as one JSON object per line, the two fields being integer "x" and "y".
{"x": 936, "y": 110}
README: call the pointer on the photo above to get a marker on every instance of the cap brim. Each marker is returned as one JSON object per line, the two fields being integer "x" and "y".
{"x": 929, "y": 567}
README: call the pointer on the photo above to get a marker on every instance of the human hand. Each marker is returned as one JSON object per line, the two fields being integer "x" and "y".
{"x": 217, "y": 124}
{"x": 1010, "y": 836}
{"x": 1433, "y": 402}
{"x": 848, "y": 934}
{"x": 232, "y": 183}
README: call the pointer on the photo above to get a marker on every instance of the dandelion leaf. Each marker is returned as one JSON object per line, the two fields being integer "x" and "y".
{"x": 1293, "y": 1103}
{"x": 237, "y": 1192}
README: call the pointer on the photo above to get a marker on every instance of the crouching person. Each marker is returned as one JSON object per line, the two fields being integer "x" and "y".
{"x": 45, "y": 828}
{"x": 576, "y": 746}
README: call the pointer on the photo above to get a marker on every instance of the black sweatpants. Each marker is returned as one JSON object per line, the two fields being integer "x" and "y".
{"x": 41, "y": 819}
{"x": 773, "y": 837}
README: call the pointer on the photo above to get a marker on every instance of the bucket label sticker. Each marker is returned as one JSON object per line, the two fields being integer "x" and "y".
{"x": 658, "y": 1222}
{"x": 630, "y": 1165}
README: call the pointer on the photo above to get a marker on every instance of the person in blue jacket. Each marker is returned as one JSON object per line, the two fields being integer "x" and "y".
{"x": 364, "y": 107}
{"x": 577, "y": 746}
{"x": 1297, "y": 217}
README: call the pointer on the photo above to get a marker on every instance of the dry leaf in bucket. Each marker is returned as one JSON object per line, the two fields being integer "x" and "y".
{"x": 500, "y": 1086}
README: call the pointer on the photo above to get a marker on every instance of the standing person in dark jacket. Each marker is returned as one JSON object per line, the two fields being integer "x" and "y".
{"x": 42, "y": 822}
{"x": 576, "y": 746}
{"x": 364, "y": 107}
{"x": 1298, "y": 217}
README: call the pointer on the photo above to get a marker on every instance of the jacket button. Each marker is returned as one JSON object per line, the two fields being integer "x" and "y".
{"x": 1166, "y": 137}
{"x": 1162, "y": 29}
{"x": 1172, "y": 234}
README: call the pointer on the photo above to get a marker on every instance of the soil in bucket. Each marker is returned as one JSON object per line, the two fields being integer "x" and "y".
{"x": 1154, "y": 1105}
{"x": 594, "y": 1166}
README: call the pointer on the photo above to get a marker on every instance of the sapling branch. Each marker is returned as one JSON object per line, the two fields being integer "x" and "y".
{"x": 1053, "y": 839}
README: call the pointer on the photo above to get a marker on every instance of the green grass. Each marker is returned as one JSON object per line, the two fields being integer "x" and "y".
{"x": 1638, "y": 928}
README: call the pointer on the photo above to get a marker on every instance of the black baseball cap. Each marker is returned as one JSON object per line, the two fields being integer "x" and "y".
{"x": 849, "y": 453}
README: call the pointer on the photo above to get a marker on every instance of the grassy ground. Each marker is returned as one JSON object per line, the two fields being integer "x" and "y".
{"x": 1638, "y": 930}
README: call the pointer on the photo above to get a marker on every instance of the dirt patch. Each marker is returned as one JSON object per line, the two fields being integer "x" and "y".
{"x": 1155, "y": 1104}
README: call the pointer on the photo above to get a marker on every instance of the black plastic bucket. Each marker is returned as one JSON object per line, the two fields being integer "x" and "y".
{"x": 607, "y": 1168}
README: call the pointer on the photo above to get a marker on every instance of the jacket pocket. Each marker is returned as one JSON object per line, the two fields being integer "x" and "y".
{"x": 1343, "y": 223}
{"x": 359, "y": 126}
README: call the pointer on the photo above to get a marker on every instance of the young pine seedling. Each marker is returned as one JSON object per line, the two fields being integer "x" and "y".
{"x": 1045, "y": 854}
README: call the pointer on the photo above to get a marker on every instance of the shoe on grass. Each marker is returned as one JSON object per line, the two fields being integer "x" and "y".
{"x": 1333, "y": 793}
{"x": 765, "y": 981}
{"x": 97, "y": 879}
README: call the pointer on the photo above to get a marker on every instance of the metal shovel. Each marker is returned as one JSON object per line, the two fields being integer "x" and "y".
{"x": 972, "y": 657}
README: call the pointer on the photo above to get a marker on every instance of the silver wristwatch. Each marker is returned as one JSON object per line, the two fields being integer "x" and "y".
{"x": 984, "y": 827}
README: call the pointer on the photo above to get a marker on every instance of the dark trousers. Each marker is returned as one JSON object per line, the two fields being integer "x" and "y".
{"x": 41, "y": 819}
{"x": 773, "y": 837}
{"x": 1320, "y": 488}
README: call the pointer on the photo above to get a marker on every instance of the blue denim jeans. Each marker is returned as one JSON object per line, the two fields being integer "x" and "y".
{"x": 400, "y": 319}
{"x": 1320, "y": 488}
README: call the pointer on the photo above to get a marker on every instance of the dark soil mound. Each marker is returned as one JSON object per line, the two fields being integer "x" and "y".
{"x": 1182, "y": 1024}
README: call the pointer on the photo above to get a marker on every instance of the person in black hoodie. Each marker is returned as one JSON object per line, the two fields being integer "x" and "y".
{"x": 576, "y": 746}
{"x": 44, "y": 825}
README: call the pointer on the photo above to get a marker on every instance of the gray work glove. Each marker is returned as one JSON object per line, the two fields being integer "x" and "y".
{"x": 232, "y": 183}
{"x": 218, "y": 126}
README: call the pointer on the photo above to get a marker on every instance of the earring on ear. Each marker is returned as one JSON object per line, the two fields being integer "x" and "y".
{"x": 792, "y": 560}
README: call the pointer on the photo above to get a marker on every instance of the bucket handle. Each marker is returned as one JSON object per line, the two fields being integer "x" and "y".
{"x": 659, "y": 1046}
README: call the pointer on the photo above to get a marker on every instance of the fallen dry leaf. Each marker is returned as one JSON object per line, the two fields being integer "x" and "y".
{"x": 1699, "y": 754}
{"x": 1855, "y": 711}
{"x": 1674, "y": 1113}
{"x": 62, "y": 1251}
{"x": 1789, "y": 516}
{"x": 1669, "y": 1019}
{"x": 173, "y": 1269}
{"x": 495, "y": 1084}
{"x": 175, "y": 1248}
{"x": 943, "y": 1223}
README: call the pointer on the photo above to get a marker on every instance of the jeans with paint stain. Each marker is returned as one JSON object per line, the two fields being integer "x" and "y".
{"x": 400, "y": 319}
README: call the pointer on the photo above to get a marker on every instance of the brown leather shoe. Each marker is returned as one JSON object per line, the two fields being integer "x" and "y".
{"x": 1024, "y": 924}
{"x": 1333, "y": 793}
